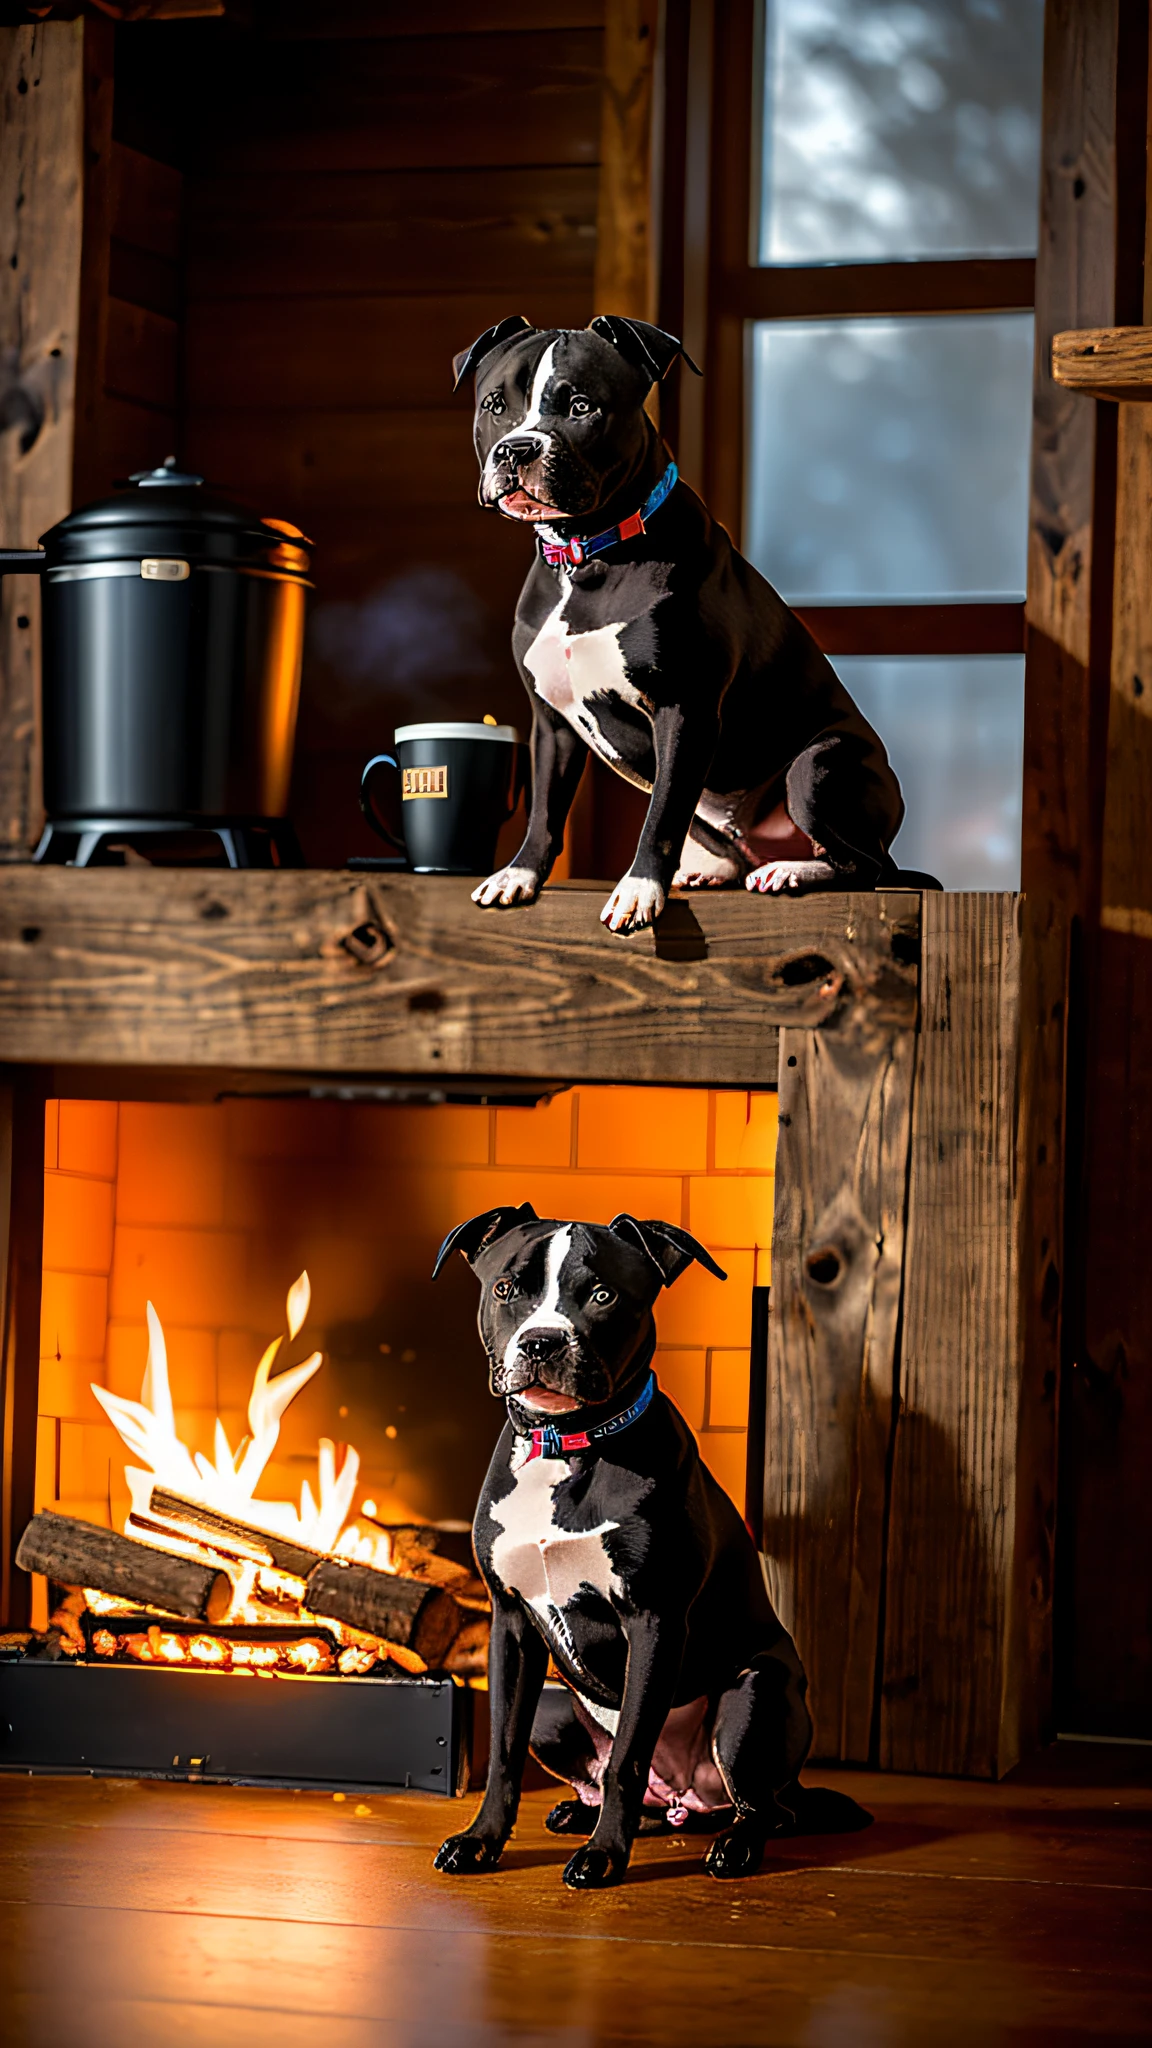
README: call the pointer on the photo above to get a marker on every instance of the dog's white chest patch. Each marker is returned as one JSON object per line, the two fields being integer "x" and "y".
{"x": 547, "y": 1565}
{"x": 572, "y": 671}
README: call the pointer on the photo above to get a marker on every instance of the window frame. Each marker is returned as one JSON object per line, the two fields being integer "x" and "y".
{"x": 711, "y": 291}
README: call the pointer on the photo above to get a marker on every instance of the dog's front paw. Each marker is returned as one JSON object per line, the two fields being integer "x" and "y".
{"x": 632, "y": 905}
{"x": 737, "y": 1853}
{"x": 511, "y": 885}
{"x": 593, "y": 1870}
{"x": 790, "y": 877}
{"x": 467, "y": 1855}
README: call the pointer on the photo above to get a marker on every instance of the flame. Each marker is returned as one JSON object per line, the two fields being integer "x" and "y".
{"x": 228, "y": 1480}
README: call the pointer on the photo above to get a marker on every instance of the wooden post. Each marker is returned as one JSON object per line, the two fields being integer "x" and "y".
{"x": 837, "y": 1267}
{"x": 951, "y": 1668}
{"x": 41, "y": 199}
{"x": 21, "y": 1254}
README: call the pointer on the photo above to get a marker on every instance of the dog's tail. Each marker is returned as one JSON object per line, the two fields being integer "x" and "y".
{"x": 817, "y": 1810}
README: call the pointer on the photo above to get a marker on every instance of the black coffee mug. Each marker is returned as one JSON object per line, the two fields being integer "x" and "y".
{"x": 458, "y": 783}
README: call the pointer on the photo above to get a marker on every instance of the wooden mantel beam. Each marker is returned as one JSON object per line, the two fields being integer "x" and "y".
{"x": 329, "y": 973}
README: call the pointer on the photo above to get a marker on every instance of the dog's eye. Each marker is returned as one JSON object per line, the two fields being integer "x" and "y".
{"x": 579, "y": 407}
{"x": 494, "y": 403}
{"x": 603, "y": 1296}
{"x": 501, "y": 1289}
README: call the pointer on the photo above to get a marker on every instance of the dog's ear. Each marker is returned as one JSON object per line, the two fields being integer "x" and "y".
{"x": 670, "y": 1250}
{"x": 470, "y": 359}
{"x": 480, "y": 1231}
{"x": 649, "y": 348}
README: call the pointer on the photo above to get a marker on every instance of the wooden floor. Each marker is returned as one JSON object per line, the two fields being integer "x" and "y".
{"x": 205, "y": 1917}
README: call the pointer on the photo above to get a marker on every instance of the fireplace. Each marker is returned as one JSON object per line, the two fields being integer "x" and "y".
{"x": 246, "y": 1372}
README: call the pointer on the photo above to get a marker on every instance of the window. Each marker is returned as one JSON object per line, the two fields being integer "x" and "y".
{"x": 869, "y": 278}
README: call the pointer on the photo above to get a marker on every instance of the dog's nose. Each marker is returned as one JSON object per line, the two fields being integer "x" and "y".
{"x": 518, "y": 448}
{"x": 539, "y": 1346}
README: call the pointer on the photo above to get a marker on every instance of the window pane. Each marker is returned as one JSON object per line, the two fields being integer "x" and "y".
{"x": 889, "y": 458}
{"x": 896, "y": 128}
{"x": 954, "y": 731}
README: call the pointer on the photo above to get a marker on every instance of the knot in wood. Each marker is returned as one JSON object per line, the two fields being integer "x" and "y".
{"x": 368, "y": 943}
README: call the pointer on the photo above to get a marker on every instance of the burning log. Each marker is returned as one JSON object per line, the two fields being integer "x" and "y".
{"x": 79, "y": 1554}
{"x": 418, "y": 1617}
{"x": 287, "y": 1555}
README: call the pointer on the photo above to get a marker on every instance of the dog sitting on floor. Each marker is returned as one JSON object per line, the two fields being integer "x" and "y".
{"x": 643, "y": 635}
{"x": 607, "y": 1545}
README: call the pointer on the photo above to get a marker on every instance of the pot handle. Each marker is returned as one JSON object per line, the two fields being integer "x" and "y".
{"x": 390, "y": 835}
{"x": 22, "y": 561}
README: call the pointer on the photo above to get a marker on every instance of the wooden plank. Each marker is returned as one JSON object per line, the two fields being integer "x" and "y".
{"x": 326, "y": 972}
{"x": 340, "y": 234}
{"x": 967, "y": 284}
{"x": 88, "y": 455}
{"x": 366, "y": 104}
{"x": 21, "y": 1255}
{"x": 41, "y": 103}
{"x": 1075, "y": 287}
{"x": 1086, "y": 276}
{"x": 1106, "y": 1507}
{"x": 141, "y": 359}
{"x": 915, "y": 628}
{"x": 302, "y": 21}
{"x": 951, "y": 1610}
{"x": 837, "y": 1267}
{"x": 1105, "y": 362}
{"x": 625, "y": 280}
{"x": 334, "y": 464}
{"x": 147, "y": 203}
{"x": 141, "y": 279}
{"x": 355, "y": 354}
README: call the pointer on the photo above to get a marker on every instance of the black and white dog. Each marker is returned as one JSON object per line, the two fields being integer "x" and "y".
{"x": 643, "y": 634}
{"x": 605, "y": 1542}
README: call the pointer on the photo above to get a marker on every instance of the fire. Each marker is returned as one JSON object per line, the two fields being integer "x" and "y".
{"x": 228, "y": 1481}
{"x": 264, "y": 1597}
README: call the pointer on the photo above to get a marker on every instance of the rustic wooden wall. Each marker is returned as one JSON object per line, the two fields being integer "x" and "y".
{"x": 41, "y": 199}
{"x": 366, "y": 188}
{"x": 1087, "y": 981}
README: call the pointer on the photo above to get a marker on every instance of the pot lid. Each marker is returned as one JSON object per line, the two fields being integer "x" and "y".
{"x": 169, "y": 511}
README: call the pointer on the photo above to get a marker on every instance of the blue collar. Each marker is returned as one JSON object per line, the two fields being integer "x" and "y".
{"x": 570, "y": 553}
{"x": 548, "y": 1442}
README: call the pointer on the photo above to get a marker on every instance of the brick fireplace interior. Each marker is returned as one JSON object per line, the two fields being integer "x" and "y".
{"x": 210, "y": 1211}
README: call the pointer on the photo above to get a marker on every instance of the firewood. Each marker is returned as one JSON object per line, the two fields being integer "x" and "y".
{"x": 410, "y": 1540}
{"x": 80, "y": 1554}
{"x": 287, "y": 1555}
{"x": 418, "y": 1617}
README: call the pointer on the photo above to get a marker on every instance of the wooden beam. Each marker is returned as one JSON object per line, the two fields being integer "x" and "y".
{"x": 41, "y": 115}
{"x": 859, "y": 291}
{"x": 963, "y": 1639}
{"x": 1088, "y": 276}
{"x": 624, "y": 255}
{"x": 335, "y": 973}
{"x": 925, "y": 629}
{"x": 1105, "y": 362}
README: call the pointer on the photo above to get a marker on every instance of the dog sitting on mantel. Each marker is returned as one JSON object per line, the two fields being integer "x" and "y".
{"x": 643, "y": 635}
{"x": 606, "y": 1544}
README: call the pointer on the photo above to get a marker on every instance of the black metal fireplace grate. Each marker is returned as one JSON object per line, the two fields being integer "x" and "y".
{"x": 333, "y": 1734}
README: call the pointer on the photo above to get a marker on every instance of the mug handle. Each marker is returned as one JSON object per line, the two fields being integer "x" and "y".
{"x": 379, "y": 825}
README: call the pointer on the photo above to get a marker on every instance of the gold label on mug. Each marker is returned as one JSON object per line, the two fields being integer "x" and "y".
{"x": 424, "y": 782}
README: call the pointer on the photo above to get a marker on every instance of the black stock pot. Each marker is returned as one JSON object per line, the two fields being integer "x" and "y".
{"x": 173, "y": 631}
